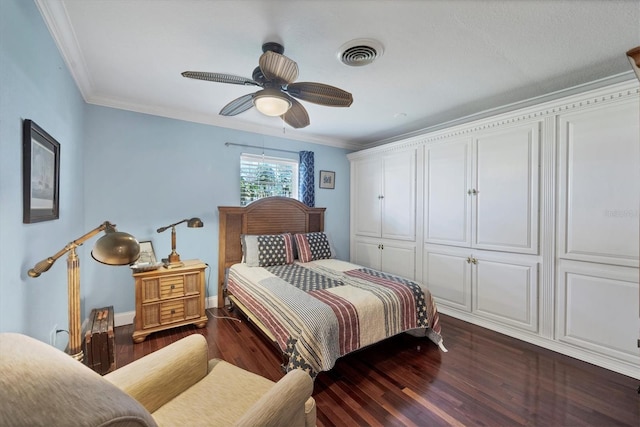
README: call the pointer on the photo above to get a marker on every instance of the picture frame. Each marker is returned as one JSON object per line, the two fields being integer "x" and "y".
{"x": 147, "y": 254}
{"x": 40, "y": 174}
{"x": 328, "y": 179}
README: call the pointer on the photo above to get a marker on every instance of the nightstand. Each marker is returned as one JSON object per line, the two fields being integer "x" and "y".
{"x": 169, "y": 297}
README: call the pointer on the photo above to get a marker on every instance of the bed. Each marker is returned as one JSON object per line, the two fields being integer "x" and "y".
{"x": 276, "y": 266}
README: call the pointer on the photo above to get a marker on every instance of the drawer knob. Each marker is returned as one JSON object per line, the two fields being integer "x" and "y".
{"x": 173, "y": 286}
{"x": 173, "y": 311}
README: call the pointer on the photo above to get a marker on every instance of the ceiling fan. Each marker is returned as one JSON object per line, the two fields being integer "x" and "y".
{"x": 276, "y": 75}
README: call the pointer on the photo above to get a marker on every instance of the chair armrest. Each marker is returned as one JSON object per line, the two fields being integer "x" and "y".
{"x": 157, "y": 378}
{"x": 283, "y": 404}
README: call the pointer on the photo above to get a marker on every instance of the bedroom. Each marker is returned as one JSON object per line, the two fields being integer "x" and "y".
{"x": 108, "y": 174}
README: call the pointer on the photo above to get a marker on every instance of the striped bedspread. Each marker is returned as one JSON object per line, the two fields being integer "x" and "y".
{"x": 321, "y": 310}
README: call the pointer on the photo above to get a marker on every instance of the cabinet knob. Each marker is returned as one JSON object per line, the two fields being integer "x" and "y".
{"x": 474, "y": 261}
{"x": 468, "y": 260}
{"x": 380, "y": 197}
{"x": 173, "y": 311}
{"x": 469, "y": 191}
{"x": 474, "y": 191}
{"x": 173, "y": 286}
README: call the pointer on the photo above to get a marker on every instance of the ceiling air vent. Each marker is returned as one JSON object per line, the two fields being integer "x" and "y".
{"x": 359, "y": 52}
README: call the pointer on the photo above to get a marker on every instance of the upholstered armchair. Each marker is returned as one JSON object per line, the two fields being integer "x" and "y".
{"x": 174, "y": 386}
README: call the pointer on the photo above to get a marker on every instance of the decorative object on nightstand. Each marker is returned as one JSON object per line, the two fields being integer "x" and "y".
{"x": 173, "y": 260}
{"x": 167, "y": 298}
{"x": 114, "y": 248}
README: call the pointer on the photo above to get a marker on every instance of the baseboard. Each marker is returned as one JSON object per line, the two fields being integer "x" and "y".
{"x": 126, "y": 318}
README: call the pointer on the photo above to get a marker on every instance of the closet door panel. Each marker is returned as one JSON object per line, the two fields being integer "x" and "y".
{"x": 367, "y": 178}
{"x": 399, "y": 196}
{"x": 447, "y": 275}
{"x": 447, "y": 201}
{"x": 600, "y": 184}
{"x": 506, "y": 203}
{"x": 598, "y": 308}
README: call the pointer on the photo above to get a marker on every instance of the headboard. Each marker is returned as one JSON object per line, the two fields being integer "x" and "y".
{"x": 271, "y": 215}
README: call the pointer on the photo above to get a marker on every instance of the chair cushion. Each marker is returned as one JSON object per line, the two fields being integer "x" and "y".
{"x": 221, "y": 398}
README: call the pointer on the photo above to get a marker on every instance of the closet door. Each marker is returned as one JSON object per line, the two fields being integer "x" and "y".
{"x": 447, "y": 193}
{"x": 505, "y": 194}
{"x": 599, "y": 191}
{"x": 367, "y": 197}
{"x": 399, "y": 196}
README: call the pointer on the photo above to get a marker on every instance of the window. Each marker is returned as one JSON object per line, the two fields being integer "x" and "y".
{"x": 262, "y": 176}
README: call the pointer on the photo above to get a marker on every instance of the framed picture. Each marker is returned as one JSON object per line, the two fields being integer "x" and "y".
{"x": 147, "y": 255}
{"x": 40, "y": 174}
{"x": 327, "y": 179}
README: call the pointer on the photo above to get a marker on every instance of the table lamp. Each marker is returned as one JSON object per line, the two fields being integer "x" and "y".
{"x": 114, "y": 248}
{"x": 173, "y": 260}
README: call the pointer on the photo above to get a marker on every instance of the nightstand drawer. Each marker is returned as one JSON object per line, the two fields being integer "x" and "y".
{"x": 172, "y": 311}
{"x": 171, "y": 287}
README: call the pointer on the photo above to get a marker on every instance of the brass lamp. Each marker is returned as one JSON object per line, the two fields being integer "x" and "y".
{"x": 174, "y": 259}
{"x": 114, "y": 248}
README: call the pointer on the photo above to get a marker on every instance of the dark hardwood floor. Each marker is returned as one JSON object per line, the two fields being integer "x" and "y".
{"x": 486, "y": 379}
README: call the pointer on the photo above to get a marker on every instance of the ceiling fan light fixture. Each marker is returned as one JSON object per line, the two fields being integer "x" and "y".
{"x": 271, "y": 102}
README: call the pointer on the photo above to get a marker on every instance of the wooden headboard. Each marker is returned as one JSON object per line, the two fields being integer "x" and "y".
{"x": 271, "y": 215}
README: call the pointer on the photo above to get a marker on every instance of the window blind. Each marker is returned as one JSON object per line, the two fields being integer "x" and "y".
{"x": 263, "y": 176}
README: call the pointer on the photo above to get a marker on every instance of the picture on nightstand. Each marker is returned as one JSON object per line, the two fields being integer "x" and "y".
{"x": 147, "y": 255}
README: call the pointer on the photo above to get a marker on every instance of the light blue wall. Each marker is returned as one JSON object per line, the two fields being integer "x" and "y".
{"x": 35, "y": 84}
{"x": 144, "y": 172}
{"x": 135, "y": 170}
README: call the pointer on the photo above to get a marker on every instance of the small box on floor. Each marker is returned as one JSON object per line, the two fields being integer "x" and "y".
{"x": 100, "y": 349}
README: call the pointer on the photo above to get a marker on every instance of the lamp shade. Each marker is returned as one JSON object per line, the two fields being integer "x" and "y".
{"x": 116, "y": 248}
{"x": 271, "y": 102}
{"x": 195, "y": 223}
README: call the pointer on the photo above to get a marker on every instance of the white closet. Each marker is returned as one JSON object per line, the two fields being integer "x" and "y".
{"x": 525, "y": 222}
{"x": 384, "y": 208}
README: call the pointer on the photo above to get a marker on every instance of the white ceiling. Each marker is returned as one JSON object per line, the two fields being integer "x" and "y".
{"x": 442, "y": 60}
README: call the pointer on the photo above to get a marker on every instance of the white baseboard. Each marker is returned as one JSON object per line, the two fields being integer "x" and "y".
{"x": 126, "y": 318}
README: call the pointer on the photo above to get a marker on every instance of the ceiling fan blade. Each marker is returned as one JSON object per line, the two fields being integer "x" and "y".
{"x": 297, "y": 116}
{"x": 238, "y": 105}
{"x": 278, "y": 68}
{"x": 319, "y": 93}
{"x": 220, "y": 78}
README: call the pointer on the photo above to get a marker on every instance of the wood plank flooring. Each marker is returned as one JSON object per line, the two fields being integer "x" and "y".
{"x": 486, "y": 379}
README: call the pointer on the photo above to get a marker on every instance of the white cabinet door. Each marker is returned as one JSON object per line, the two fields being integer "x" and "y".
{"x": 505, "y": 289}
{"x": 366, "y": 253}
{"x": 505, "y": 193}
{"x": 398, "y": 259}
{"x": 392, "y": 257}
{"x": 597, "y": 308}
{"x": 447, "y": 203}
{"x": 500, "y": 287}
{"x": 447, "y": 275}
{"x": 399, "y": 196}
{"x": 599, "y": 184}
{"x": 367, "y": 194}
{"x": 482, "y": 192}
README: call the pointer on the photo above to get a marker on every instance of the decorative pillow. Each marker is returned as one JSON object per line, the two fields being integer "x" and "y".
{"x": 267, "y": 249}
{"x": 312, "y": 246}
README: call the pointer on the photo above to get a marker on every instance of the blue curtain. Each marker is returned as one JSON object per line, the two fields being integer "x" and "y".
{"x": 306, "y": 184}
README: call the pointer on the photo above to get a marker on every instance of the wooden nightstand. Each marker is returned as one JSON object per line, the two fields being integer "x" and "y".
{"x": 169, "y": 297}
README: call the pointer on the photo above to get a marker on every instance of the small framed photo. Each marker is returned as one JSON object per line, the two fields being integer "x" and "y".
{"x": 40, "y": 174}
{"x": 147, "y": 255}
{"x": 327, "y": 179}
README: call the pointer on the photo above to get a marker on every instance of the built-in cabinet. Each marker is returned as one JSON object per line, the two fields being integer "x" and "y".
{"x": 384, "y": 212}
{"x": 526, "y": 222}
{"x": 481, "y": 191}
